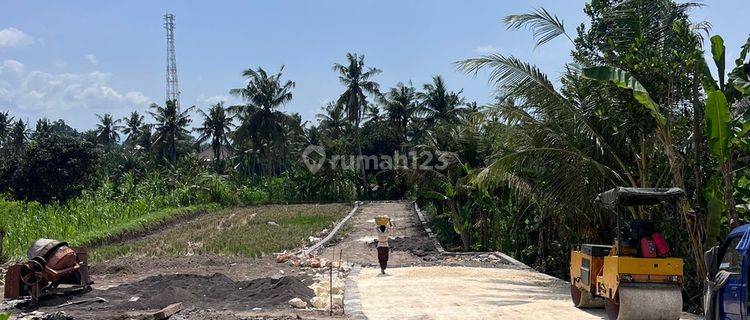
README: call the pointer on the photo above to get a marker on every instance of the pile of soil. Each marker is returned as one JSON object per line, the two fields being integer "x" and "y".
{"x": 217, "y": 292}
{"x": 419, "y": 247}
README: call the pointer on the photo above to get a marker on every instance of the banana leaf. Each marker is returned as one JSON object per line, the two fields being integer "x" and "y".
{"x": 718, "y": 125}
{"x": 718, "y": 51}
{"x": 623, "y": 79}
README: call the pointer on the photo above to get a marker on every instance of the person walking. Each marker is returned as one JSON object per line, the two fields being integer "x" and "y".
{"x": 383, "y": 232}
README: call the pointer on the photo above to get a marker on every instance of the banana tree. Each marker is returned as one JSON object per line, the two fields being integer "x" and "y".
{"x": 719, "y": 120}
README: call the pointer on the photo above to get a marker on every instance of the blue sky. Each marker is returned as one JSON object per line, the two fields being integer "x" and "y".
{"x": 74, "y": 59}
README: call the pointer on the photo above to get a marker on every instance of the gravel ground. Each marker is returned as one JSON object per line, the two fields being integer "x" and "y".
{"x": 468, "y": 293}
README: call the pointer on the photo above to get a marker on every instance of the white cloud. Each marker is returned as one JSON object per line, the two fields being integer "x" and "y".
{"x": 42, "y": 92}
{"x": 204, "y": 100}
{"x": 60, "y": 63}
{"x": 92, "y": 59}
{"x": 12, "y": 65}
{"x": 12, "y": 37}
{"x": 488, "y": 49}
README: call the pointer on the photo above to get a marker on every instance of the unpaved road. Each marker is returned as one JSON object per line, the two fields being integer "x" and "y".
{"x": 436, "y": 287}
{"x": 467, "y": 293}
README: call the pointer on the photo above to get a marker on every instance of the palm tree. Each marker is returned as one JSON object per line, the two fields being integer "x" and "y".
{"x": 332, "y": 120}
{"x": 107, "y": 130}
{"x": 170, "y": 127}
{"x": 400, "y": 106}
{"x": 260, "y": 121}
{"x": 357, "y": 80}
{"x": 216, "y": 126}
{"x": 438, "y": 105}
{"x": 5, "y": 125}
{"x": 17, "y": 136}
{"x": 133, "y": 127}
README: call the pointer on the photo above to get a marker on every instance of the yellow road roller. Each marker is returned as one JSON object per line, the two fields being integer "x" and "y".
{"x": 637, "y": 277}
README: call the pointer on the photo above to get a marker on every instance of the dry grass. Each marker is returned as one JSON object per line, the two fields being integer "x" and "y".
{"x": 235, "y": 232}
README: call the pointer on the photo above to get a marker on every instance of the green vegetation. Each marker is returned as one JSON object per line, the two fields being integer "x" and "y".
{"x": 248, "y": 232}
{"x": 637, "y": 106}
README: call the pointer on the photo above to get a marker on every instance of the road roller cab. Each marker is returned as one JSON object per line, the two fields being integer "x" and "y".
{"x": 636, "y": 277}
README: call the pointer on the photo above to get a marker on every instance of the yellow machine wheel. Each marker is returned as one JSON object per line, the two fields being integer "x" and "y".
{"x": 645, "y": 302}
{"x": 583, "y": 299}
{"x": 575, "y": 295}
{"x": 612, "y": 308}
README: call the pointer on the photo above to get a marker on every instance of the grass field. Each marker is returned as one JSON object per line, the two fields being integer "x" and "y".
{"x": 250, "y": 232}
{"x": 81, "y": 222}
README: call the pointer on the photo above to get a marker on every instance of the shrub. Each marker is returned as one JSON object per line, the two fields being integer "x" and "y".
{"x": 252, "y": 196}
{"x": 53, "y": 168}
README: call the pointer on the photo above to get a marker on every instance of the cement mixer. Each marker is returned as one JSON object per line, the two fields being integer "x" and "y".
{"x": 53, "y": 268}
{"x": 636, "y": 278}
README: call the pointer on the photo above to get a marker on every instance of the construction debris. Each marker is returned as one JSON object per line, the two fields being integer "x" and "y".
{"x": 38, "y": 315}
{"x": 168, "y": 311}
{"x": 325, "y": 290}
{"x": 298, "y": 303}
{"x": 97, "y": 299}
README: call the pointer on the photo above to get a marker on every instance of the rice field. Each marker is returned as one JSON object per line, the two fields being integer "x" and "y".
{"x": 249, "y": 232}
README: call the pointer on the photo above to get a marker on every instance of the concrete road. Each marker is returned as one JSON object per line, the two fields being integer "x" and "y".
{"x": 467, "y": 293}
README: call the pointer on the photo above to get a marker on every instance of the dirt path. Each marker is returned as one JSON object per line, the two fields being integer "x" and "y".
{"x": 358, "y": 245}
{"x": 425, "y": 285}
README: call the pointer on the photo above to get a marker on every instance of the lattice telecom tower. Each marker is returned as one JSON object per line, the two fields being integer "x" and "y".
{"x": 173, "y": 89}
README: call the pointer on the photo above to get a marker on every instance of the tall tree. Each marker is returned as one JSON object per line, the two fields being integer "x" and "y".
{"x": 6, "y": 122}
{"x": 133, "y": 128}
{"x": 260, "y": 121}
{"x": 400, "y": 105}
{"x": 43, "y": 129}
{"x": 216, "y": 126}
{"x": 17, "y": 136}
{"x": 107, "y": 130}
{"x": 332, "y": 120}
{"x": 357, "y": 80}
{"x": 170, "y": 128}
{"x": 438, "y": 104}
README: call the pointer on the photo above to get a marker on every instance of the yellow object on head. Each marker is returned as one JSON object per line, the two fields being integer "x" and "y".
{"x": 382, "y": 220}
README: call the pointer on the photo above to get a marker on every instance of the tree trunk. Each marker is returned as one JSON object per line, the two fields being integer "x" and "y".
{"x": 542, "y": 252}
{"x": 2, "y": 235}
{"x": 726, "y": 174}
{"x": 361, "y": 160}
{"x": 697, "y": 137}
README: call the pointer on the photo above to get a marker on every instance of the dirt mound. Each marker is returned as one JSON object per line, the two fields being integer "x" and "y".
{"x": 217, "y": 292}
{"x": 419, "y": 247}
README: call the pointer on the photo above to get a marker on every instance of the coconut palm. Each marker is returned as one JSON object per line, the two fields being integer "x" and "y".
{"x": 357, "y": 80}
{"x": 400, "y": 105}
{"x": 107, "y": 130}
{"x": 332, "y": 121}
{"x": 216, "y": 126}
{"x": 133, "y": 128}
{"x": 170, "y": 128}
{"x": 260, "y": 122}
{"x": 439, "y": 105}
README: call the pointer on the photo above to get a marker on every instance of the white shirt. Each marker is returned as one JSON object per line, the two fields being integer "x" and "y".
{"x": 383, "y": 238}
